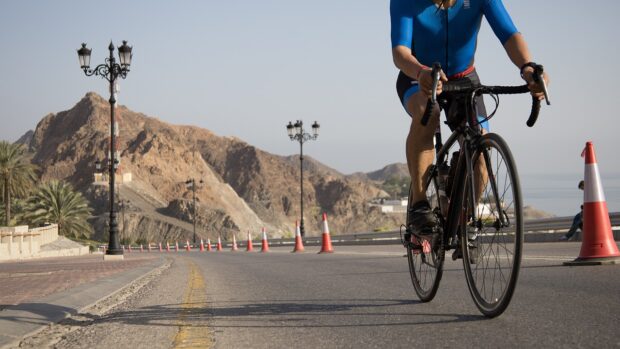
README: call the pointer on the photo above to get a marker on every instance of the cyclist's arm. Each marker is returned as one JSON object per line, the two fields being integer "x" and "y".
{"x": 401, "y": 17}
{"x": 406, "y": 61}
{"x": 519, "y": 54}
{"x": 513, "y": 41}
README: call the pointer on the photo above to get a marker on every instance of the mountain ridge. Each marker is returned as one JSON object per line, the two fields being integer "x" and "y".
{"x": 245, "y": 188}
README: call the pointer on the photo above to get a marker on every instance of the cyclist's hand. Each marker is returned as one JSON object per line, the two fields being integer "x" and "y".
{"x": 426, "y": 82}
{"x": 536, "y": 89}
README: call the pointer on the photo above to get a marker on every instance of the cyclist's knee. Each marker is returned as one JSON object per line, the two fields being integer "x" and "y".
{"x": 416, "y": 106}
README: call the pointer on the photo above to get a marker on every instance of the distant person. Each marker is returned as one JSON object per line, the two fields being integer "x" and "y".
{"x": 577, "y": 221}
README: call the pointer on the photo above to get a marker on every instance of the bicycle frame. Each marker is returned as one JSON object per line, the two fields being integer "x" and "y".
{"x": 467, "y": 136}
{"x": 482, "y": 172}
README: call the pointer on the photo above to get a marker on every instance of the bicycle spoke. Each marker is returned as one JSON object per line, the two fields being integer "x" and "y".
{"x": 498, "y": 234}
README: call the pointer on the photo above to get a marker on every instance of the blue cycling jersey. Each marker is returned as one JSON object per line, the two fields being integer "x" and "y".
{"x": 446, "y": 36}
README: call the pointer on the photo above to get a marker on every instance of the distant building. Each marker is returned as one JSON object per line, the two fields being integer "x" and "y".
{"x": 390, "y": 206}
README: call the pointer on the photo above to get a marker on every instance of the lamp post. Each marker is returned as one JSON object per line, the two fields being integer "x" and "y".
{"x": 110, "y": 71}
{"x": 296, "y": 132}
{"x": 123, "y": 205}
{"x": 191, "y": 184}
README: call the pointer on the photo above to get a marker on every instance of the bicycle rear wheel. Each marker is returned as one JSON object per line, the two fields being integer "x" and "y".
{"x": 426, "y": 255}
{"x": 492, "y": 243}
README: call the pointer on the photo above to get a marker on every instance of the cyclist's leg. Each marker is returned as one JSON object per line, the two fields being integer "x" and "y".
{"x": 420, "y": 154}
{"x": 481, "y": 174}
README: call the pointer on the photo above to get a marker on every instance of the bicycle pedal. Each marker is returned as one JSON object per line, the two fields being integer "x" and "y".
{"x": 457, "y": 254}
{"x": 473, "y": 255}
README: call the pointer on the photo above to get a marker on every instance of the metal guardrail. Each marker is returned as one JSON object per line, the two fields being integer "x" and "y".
{"x": 393, "y": 237}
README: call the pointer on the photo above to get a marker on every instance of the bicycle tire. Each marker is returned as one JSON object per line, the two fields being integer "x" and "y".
{"x": 426, "y": 262}
{"x": 492, "y": 246}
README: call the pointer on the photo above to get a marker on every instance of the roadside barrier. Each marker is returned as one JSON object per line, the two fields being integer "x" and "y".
{"x": 299, "y": 245}
{"x": 327, "y": 241}
{"x": 598, "y": 245}
{"x": 249, "y": 247}
{"x": 265, "y": 246}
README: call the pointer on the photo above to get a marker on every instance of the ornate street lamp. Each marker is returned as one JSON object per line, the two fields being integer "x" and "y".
{"x": 296, "y": 132}
{"x": 191, "y": 184}
{"x": 110, "y": 71}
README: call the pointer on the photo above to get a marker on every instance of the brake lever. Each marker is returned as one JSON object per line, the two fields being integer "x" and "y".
{"x": 539, "y": 79}
{"x": 435, "y": 73}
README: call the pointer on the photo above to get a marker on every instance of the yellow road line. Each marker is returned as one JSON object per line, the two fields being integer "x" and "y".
{"x": 193, "y": 332}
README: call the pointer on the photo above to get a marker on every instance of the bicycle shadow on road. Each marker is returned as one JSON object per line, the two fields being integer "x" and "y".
{"x": 281, "y": 314}
{"x": 35, "y": 313}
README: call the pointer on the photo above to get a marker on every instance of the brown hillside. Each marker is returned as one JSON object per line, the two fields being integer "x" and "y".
{"x": 245, "y": 188}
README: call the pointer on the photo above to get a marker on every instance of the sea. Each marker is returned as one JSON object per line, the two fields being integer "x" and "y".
{"x": 558, "y": 194}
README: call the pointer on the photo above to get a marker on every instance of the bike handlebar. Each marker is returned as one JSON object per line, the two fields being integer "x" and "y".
{"x": 468, "y": 87}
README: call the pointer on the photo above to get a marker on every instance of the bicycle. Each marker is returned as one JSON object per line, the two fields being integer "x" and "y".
{"x": 476, "y": 199}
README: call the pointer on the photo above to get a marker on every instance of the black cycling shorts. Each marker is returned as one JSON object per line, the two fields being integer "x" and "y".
{"x": 407, "y": 87}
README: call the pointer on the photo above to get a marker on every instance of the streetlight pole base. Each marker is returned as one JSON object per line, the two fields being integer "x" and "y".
{"x": 113, "y": 257}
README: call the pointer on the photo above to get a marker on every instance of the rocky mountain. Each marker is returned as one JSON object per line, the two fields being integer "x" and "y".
{"x": 26, "y": 138}
{"x": 398, "y": 170}
{"x": 244, "y": 187}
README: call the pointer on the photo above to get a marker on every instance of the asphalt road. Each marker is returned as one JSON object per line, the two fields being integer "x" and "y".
{"x": 363, "y": 297}
{"x": 358, "y": 297}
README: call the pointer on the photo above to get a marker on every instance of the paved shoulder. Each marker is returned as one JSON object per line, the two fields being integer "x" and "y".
{"x": 33, "y": 314}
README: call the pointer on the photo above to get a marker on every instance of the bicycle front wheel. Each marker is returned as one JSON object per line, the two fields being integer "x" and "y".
{"x": 426, "y": 255}
{"x": 492, "y": 222}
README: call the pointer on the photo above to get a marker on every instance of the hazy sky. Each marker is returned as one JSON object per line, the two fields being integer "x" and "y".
{"x": 245, "y": 68}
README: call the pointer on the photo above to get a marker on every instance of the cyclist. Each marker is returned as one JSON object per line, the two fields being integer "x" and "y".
{"x": 444, "y": 31}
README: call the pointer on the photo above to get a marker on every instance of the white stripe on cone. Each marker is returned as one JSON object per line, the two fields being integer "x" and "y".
{"x": 593, "y": 192}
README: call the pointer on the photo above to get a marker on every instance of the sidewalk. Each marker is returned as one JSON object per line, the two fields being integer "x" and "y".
{"x": 35, "y": 293}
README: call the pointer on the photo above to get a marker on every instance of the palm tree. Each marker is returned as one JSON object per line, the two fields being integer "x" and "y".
{"x": 57, "y": 202}
{"x": 17, "y": 175}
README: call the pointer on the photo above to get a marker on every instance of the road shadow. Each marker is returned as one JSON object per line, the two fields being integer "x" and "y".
{"x": 35, "y": 313}
{"x": 280, "y": 314}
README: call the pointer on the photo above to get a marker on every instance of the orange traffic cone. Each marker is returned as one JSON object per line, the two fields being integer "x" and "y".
{"x": 149, "y": 246}
{"x": 202, "y": 246}
{"x": 265, "y": 247}
{"x": 598, "y": 245}
{"x": 299, "y": 245}
{"x": 234, "y": 245}
{"x": 176, "y": 246}
{"x": 141, "y": 249}
{"x": 249, "y": 248}
{"x": 219, "y": 244}
{"x": 129, "y": 248}
{"x": 167, "y": 246}
{"x": 160, "y": 249}
{"x": 209, "y": 248}
{"x": 327, "y": 240}
{"x": 187, "y": 246}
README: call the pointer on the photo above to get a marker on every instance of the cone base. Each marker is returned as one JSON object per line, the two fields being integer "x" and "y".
{"x": 594, "y": 261}
{"x": 326, "y": 252}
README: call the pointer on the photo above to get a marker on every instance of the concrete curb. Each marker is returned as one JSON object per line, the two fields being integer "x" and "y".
{"x": 26, "y": 319}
